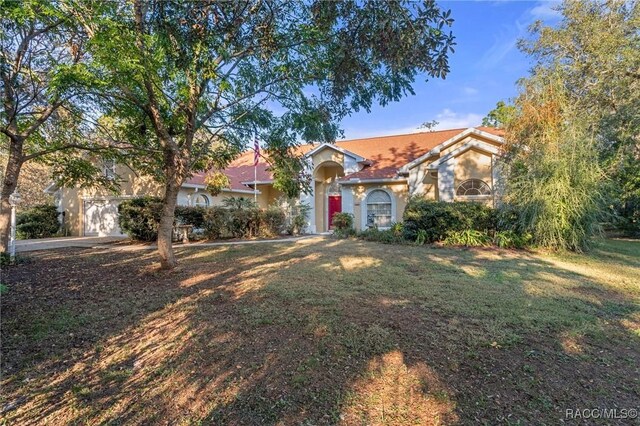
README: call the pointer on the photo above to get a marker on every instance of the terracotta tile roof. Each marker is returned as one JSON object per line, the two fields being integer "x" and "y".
{"x": 389, "y": 153}
{"x": 240, "y": 170}
{"x": 386, "y": 155}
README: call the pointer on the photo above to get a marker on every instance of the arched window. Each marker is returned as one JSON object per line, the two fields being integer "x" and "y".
{"x": 201, "y": 201}
{"x": 379, "y": 209}
{"x": 473, "y": 187}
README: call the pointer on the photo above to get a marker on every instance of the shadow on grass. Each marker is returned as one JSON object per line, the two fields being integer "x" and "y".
{"x": 319, "y": 331}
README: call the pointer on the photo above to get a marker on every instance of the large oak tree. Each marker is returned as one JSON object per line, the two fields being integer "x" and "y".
{"x": 42, "y": 120}
{"x": 190, "y": 84}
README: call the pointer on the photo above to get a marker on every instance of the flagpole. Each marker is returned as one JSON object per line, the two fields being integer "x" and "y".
{"x": 256, "y": 158}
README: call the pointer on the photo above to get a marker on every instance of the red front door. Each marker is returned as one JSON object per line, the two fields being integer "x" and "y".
{"x": 335, "y": 206}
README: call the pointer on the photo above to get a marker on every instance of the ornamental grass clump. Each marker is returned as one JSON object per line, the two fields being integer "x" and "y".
{"x": 554, "y": 181}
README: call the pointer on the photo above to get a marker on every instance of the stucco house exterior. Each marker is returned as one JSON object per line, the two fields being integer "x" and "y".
{"x": 371, "y": 178}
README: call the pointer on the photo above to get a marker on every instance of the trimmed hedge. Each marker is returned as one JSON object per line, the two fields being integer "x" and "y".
{"x": 273, "y": 221}
{"x": 215, "y": 222}
{"x": 435, "y": 220}
{"x": 38, "y": 222}
{"x": 139, "y": 219}
{"x": 191, "y": 215}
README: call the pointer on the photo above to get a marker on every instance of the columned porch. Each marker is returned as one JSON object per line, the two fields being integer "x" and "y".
{"x": 326, "y": 198}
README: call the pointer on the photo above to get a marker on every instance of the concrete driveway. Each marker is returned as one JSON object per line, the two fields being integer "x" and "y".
{"x": 63, "y": 242}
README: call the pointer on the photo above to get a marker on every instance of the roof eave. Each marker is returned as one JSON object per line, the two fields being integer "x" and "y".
{"x": 334, "y": 147}
{"x": 242, "y": 191}
{"x": 438, "y": 148}
{"x": 355, "y": 181}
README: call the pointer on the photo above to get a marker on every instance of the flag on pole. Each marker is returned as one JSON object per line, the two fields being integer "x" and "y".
{"x": 256, "y": 159}
{"x": 256, "y": 152}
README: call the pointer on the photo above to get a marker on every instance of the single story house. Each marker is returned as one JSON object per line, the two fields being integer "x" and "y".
{"x": 371, "y": 178}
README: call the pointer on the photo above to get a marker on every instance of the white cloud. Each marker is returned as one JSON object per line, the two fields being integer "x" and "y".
{"x": 448, "y": 119}
{"x": 469, "y": 91}
{"x": 506, "y": 41}
{"x": 546, "y": 11}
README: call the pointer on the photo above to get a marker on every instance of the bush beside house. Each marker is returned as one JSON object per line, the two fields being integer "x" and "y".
{"x": 467, "y": 224}
{"x": 40, "y": 221}
{"x": 139, "y": 218}
{"x": 239, "y": 218}
{"x": 343, "y": 225}
{"x": 435, "y": 220}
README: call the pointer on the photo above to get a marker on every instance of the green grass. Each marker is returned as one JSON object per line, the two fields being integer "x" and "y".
{"x": 322, "y": 331}
{"x": 55, "y": 323}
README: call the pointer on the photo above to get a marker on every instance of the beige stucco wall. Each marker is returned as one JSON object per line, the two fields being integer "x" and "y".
{"x": 268, "y": 195}
{"x": 398, "y": 191}
{"x": 187, "y": 196}
{"x": 327, "y": 154}
{"x": 468, "y": 139}
{"x": 473, "y": 164}
{"x": 424, "y": 182}
{"x": 131, "y": 185}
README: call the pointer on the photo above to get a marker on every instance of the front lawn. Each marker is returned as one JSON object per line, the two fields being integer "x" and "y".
{"x": 320, "y": 331}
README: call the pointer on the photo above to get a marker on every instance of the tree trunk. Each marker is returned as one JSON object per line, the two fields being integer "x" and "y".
{"x": 9, "y": 184}
{"x": 165, "y": 227}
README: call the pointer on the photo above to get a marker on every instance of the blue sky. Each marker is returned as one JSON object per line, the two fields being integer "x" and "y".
{"x": 484, "y": 70}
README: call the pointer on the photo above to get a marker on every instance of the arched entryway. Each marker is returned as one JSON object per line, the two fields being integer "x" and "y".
{"x": 327, "y": 191}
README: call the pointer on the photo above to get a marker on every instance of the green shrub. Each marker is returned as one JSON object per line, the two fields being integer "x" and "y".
{"x": 139, "y": 217}
{"x": 239, "y": 203}
{"x": 388, "y": 236}
{"x": 468, "y": 238}
{"x": 244, "y": 223}
{"x": 190, "y": 215}
{"x": 5, "y": 259}
{"x": 507, "y": 218}
{"x": 215, "y": 222}
{"x": 243, "y": 217}
{"x": 397, "y": 228}
{"x": 512, "y": 239}
{"x": 38, "y": 222}
{"x": 343, "y": 225}
{"x": 297, "y": 218}
{"x": 272, "y": 221}
{"x": 437, "y": 219}
{"x": 298, "y": 225}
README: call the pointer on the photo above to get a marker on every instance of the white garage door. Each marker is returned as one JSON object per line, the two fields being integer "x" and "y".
{"x": 101, "y": 218}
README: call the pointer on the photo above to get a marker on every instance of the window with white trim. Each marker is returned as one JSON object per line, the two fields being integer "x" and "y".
{"x": 378, "y": 209}
{"x": 473, "y": 188}
{"x": 201, "y": 201}
{"x": 109, "y": 166}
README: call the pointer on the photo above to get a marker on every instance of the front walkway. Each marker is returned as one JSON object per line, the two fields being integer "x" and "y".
{"x": 107, "y": 242}
{"x": 63, "y": 242}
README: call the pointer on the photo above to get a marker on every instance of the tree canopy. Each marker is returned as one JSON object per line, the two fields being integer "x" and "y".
{"x": 40, "y": 47}
{"x": 500, "y": 116}
{"x": 574, "y": 129}
{"x": 596, "y": 50}
{"x": 189, "y": 84}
